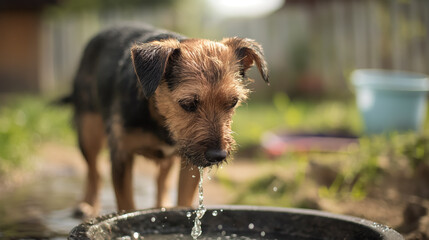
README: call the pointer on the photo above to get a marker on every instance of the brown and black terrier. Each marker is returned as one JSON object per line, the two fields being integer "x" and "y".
{"x": 164, "y": 96}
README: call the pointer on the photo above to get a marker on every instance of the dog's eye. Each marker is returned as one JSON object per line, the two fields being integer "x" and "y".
{"x": 233, "y": 103}
{"x": 189, "y": 105}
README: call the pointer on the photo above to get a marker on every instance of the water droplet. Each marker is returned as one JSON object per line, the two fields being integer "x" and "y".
{"x": 251, "y": 226}
{"x": 262, "y": 234}
{"x": 188, "y": 214}
{"x": 165, "y": 217}
{"x": 275, "y": 189}
{"x": 221, "y": 210}
{"x": 234, "y": 235}
{"x": 219, "y": 227}
{"x": 136, "y": 235}
{"x": 223, "y": 233}
{"x": 153, "y": 219}
{"x": 162, "y": 209}
{"x": 200, "y": 213}
{"x": 214, "y": 213}
{"x": 193, "y": 176}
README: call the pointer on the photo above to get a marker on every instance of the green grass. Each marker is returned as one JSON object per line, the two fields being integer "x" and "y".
{"x": 358, "y": 168}
{"x": 26, "y": 122}
{"x": 253, "y": 119}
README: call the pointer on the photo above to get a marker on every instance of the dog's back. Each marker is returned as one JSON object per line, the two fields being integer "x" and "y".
{"x": 106, "y": 98}
{"x": 106, "y": 67}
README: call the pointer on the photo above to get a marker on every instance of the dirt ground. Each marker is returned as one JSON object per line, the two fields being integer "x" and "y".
{"x": 56, "y": 157}
{"x": 387, "y": 205}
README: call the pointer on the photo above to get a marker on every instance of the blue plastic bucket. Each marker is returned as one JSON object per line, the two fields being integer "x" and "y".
{"x": 391, "y": 100}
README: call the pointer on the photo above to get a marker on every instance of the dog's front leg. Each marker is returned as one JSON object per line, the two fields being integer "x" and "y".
{"x": 163, "y": 183}
{"x": 188, "y": 181}
{"x": 122, "y": 165}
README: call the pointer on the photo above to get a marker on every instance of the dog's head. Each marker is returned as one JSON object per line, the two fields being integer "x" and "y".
{"x": 196, "y": 85}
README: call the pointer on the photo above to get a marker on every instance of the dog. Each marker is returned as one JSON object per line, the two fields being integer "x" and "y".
{"x": 159, "y": 94}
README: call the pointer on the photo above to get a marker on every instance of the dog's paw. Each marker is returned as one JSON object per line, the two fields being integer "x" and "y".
{"x": 85, "y": 211}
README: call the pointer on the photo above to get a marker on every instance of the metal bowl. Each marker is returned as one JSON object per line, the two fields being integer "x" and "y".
{"x": 233, "y": 222}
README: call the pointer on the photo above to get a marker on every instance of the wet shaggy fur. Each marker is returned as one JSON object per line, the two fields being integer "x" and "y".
{"x": 158, "y": 94}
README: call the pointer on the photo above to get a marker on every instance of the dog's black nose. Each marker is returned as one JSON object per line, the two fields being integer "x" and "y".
{"x": 215, "y": 155}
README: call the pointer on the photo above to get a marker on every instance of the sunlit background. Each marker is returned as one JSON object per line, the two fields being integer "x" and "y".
{"x": 311, "y": 46}
{"x": 302, "y": 140}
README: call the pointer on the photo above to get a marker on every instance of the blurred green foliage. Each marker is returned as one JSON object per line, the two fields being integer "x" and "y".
{"x": 274, "y": 188}
{"x": 282, "y": 114}
{"x": 357, "y": 169}
{"x": 418, "y": 152}
{"x": 27, "y": 121}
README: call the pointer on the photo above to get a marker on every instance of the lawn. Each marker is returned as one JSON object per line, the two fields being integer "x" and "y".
{"x": 281, "y": 114}
{"x": 26, "y": 122}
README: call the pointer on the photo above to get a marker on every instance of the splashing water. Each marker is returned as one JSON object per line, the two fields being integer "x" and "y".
{"x": 251, "y": 226}
{"x": 196, "y": 230}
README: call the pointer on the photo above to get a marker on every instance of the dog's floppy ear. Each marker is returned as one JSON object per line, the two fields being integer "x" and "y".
{"x": 150, "y": 61}
{"x": 248, "y": 52}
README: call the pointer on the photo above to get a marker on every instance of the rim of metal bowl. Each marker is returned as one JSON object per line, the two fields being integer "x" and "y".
{"x": 81, "y": 231}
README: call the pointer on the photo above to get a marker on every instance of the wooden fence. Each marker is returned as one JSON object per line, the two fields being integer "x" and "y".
{"x": 311, "y": 47}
